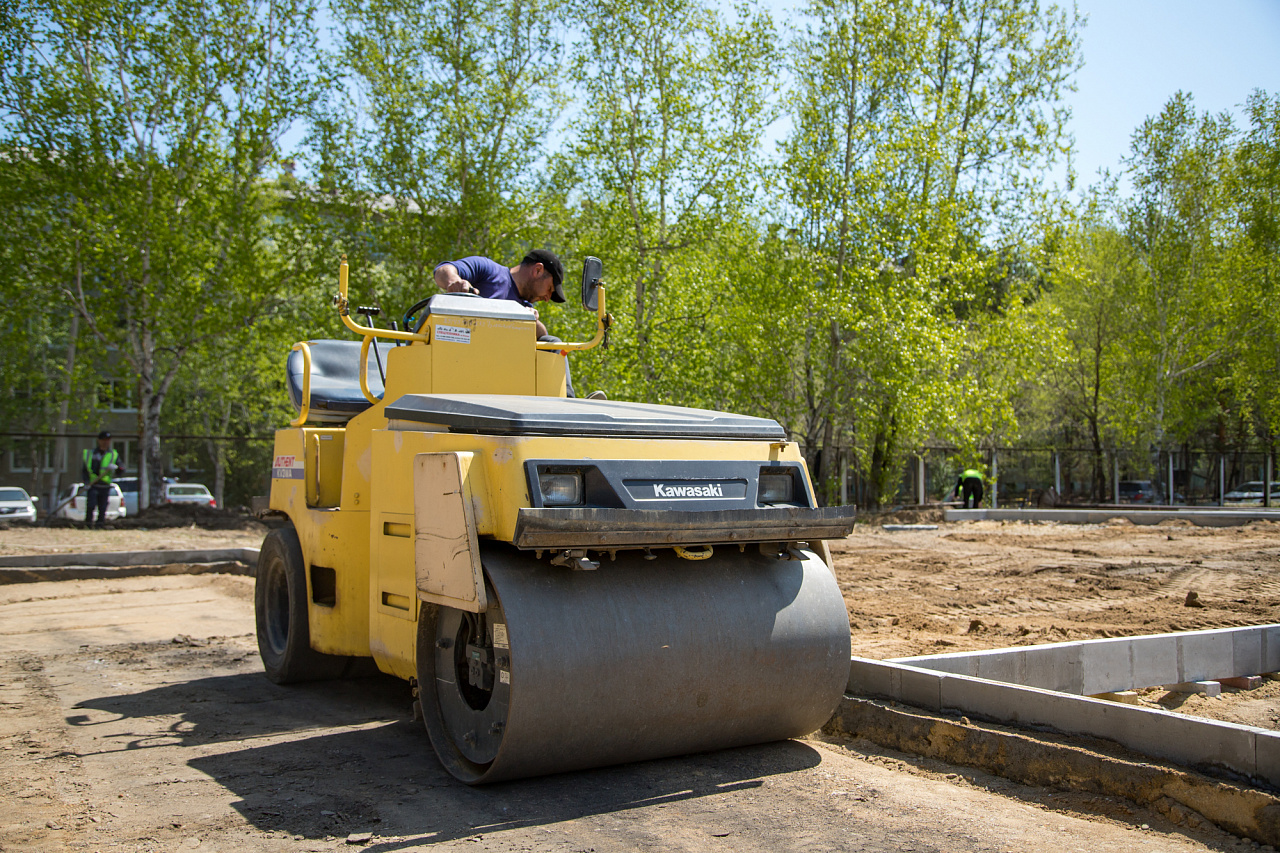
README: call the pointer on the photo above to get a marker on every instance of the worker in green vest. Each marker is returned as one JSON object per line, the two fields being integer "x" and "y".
{"x": 100, "y": 464}
{"x": 969, "y": 487}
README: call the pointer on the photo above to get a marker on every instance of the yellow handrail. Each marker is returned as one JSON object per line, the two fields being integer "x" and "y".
{"x": 364, "y": 374}
{"x": 603, "y": 320}
{"x": 364, "y": 331}
{"x": 305, "y": 408}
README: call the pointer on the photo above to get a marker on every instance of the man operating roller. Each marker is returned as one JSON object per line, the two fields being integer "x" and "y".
{"x": 537, "y": 278}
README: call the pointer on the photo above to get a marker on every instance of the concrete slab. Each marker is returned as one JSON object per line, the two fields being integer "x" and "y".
{"x": 1203, "y": 655}
{"x": 1154, "y": 660}
{"x": 1246, "y": 652}
{"x": 1105, "y": 667}
{"x": 1270, "y": 649}
{"x": 1267, "y": 755}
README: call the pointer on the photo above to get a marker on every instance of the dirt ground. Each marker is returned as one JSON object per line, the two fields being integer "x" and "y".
{"x": 134, "y": 715}
{"x": 991, "y": 584}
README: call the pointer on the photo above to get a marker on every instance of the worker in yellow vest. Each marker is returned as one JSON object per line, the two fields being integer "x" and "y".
{"x": 100, "y": 465}
{"x": 969, "y": 488}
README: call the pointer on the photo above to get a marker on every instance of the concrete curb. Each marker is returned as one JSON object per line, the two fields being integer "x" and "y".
{"x": 35, "y": 568}
{"x": 1193, "y": 742}
{"x": 1090, "y": 667}
{"x": 1200, "y": 516}
{"x": 1184, "y": 797}
{"x": 131, "y": 558}
{"x": 75, "y": 573}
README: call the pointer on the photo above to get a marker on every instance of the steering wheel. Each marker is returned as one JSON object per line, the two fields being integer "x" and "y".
{"x": 412, "y": 314}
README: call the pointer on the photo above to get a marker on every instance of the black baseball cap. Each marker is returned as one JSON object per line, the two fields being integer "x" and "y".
{"x": 551, "y": 264}
{"x": 104, "y": 434}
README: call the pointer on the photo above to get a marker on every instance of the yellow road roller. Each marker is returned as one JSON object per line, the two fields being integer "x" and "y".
{"x": 566, "y": 583}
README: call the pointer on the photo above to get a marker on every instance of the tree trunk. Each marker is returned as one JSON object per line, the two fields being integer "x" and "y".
{"x": 60, "y": 459}
{"x": 218, "y": 454}
{"x": 151, "y": 405}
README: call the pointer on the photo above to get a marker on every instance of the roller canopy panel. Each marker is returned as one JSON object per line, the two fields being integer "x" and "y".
{"x": 494, "y": 414}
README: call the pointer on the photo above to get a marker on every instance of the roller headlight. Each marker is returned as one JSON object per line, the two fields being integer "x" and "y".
{"x": 775, "y": 488}
{"x": 561, "y": 489}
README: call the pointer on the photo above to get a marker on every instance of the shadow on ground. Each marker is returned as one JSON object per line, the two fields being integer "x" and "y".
{"x": 329, "y": 759}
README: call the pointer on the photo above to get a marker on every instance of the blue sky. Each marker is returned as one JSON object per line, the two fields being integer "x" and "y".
{"x": 1138, "y": 53}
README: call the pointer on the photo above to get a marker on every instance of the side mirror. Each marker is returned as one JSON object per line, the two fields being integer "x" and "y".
{"x": 592, "y": 269}
{"x": 35, "y": 499}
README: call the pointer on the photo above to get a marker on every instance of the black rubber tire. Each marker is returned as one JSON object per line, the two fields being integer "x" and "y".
{"x": 280, "y": 605}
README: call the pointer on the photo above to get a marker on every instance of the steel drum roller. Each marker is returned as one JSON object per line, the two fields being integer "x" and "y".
{"x": 639, "y": 659}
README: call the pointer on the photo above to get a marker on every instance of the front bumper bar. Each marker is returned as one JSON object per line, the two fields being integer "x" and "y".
{"x": 629, "y": 528}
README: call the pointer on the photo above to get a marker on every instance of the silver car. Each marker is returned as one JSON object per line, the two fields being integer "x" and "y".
{"x": 17, "y": 505}
{"x": 188, "y": 493}
{"x": 1250, "y": 494}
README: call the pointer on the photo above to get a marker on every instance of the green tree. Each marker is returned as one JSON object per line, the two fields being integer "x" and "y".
{"x": 661, "y": 160}
{"x": 1182, "y": 303}
{"x": 432, "y": 140}
{"x": 909, "y": 205}
{"x": 148, "y": 127}
{"x": 1082, "y": 390}
{"x": 1255, "y": 375}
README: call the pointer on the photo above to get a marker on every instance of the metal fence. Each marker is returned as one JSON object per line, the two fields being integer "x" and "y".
{"x": 1015, "y": 476}
{"x": 1021, "y": 477}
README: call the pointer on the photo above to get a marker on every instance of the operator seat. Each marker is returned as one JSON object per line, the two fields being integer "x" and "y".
{"x": 335, "y": 380}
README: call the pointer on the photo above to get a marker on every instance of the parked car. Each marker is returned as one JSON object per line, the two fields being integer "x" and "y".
{"x": 129, "y": 485}
{"x": 1250, "y": 494}
{"x": 1138, "y": 492}
{"x": 188, "y": 493}
{"x": 73, "y": 501}
{"x": 17, "y": 505}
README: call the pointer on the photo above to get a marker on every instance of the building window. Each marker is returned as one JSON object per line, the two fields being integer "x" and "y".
{"x": 125, "y": 447}
{"x": 24, "y": 454}
{"x": 117, "y": 395}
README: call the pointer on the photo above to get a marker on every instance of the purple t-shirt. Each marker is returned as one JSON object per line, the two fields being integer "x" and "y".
{"x": 491, "y": 278}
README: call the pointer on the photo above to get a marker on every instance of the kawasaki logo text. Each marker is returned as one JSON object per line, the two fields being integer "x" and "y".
{"x": 711, "y": 490}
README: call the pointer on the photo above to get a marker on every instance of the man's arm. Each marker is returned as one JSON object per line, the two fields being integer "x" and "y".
{"x": 448, "y": 280}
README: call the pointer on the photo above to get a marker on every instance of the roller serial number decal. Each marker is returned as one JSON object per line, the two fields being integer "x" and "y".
{"x": 287, "y": 468}
{"x": 453, "y": 334}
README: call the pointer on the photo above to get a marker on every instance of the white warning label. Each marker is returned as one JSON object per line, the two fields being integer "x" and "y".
{"x": 453, "y": 334}
{"x": 500, "y": 635}
{"x": 504, "y": 676}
